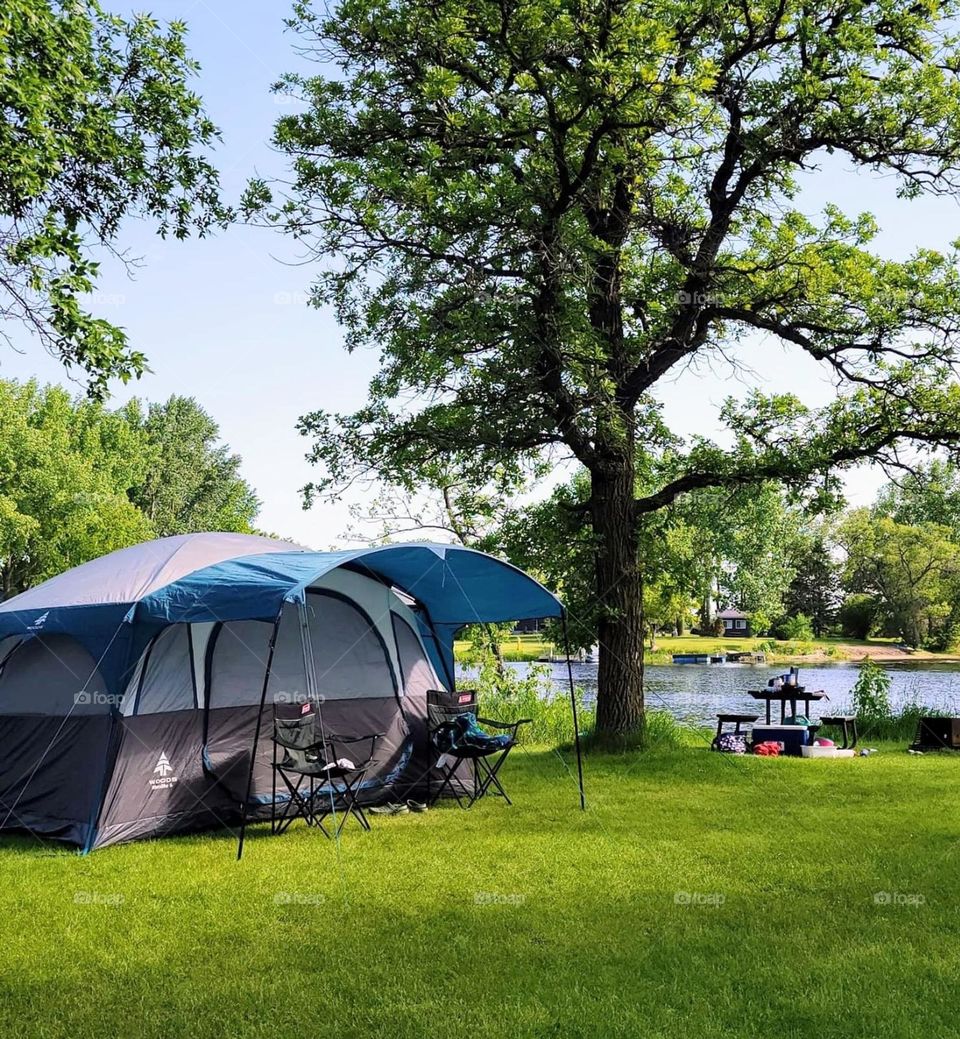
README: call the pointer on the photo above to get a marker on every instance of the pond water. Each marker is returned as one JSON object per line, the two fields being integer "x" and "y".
{"x": 697, "y": 692}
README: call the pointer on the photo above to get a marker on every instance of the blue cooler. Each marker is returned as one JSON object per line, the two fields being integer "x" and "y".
{"x": 793, "y": 737}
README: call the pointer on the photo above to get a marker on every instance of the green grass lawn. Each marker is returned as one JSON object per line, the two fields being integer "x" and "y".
{"x": 700, "y": 895}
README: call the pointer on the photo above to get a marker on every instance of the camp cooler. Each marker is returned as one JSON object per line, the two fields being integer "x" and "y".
{"x": 793, "y": 737}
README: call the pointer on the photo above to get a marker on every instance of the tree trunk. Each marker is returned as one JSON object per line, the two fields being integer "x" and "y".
{"x": 620, "y": 706}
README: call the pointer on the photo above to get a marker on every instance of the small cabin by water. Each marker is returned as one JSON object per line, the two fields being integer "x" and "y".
{"x": 735, "y": 623}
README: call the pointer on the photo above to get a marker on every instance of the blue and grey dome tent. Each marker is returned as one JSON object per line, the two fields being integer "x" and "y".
{"x": 132, "y": 688}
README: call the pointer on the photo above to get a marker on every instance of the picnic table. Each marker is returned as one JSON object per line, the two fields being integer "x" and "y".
{"x": 788, "y": 694}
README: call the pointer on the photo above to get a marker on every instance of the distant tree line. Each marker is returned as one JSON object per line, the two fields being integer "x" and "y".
{"x": 800, "y": 567}
{"x": 78, "y": 479}
{"x": 892, "y": 569}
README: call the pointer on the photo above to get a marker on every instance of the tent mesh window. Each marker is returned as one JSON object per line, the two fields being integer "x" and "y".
{"x": 163, "y": 680}
{"x": 349, "y": 653}
{"x": 238, "y": 661}
{"x": 52, "y": 674}
{"x": 415, "y": 670}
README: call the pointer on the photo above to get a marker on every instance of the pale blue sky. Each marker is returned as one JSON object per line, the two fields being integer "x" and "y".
{"x": 224, "y": 319}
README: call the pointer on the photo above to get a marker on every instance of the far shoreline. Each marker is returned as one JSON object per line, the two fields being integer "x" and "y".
{"x": 533, "y": 649}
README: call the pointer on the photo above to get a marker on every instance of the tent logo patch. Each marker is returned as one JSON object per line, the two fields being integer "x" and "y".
{"x": 163, "y": 771}
{"x": 39, "y": 622}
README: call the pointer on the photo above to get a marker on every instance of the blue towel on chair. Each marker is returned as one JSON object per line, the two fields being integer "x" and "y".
{"x": 464, "y": 732}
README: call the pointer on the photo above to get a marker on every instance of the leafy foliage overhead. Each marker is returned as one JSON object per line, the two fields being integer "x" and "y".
{"x": 97, "y": 124}
{"x": 539, "y": 211}
{"x": 544, "y": 208}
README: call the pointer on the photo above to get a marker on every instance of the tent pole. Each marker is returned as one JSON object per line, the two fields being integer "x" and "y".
{"x": 256, "y": 733}
{"x": 573, "y": 705}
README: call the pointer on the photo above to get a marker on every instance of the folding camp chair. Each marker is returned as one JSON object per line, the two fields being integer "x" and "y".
{"x": 448, "y": 726}
{"x": 306, "y": 761}
{"x": 331, "y": 798}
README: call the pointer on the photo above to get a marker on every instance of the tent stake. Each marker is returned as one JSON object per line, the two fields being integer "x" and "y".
{"x": 573, "y": 705}
{"x": 256, "y": 734}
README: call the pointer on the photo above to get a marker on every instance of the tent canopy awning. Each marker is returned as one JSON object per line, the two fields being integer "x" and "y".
{"x": 222, "y": 577}
{"x": 455, "y": 585}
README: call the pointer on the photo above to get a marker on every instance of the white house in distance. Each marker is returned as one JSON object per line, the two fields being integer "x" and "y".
{"x": 734, "y": 622}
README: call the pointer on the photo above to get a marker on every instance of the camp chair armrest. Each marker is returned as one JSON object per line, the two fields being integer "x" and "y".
{"x": 505, "y": 725}
{"x": 294, "y": 745}
{"x": 333, "y": 738}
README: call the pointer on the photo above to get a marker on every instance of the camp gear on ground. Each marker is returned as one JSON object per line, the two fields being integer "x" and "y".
{"x": 389, "y": 809}
{"x": 793, "y": 737}
{"x": 767, "y": 749}
{"x": 736, "y": 720}
{"x": 826, "y": 752}
{"x": 935, "y": 733}
{"x": 732, "y": 743}
{"x": 318, "y": 783}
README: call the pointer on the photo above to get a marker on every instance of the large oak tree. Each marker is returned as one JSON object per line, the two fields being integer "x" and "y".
{"x": 537, "y": 211}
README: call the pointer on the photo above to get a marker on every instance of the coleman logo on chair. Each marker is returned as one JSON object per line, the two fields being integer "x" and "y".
{"x": 162, "y": 771}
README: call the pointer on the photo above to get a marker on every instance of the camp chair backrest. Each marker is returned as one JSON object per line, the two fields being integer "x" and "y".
{"x": 297, "y": 733}
{"x": 443, "y": 707}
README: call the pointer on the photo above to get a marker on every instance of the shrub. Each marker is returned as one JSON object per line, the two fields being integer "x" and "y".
{"x": 795, "y": 629}
{"x": 871, "y": 694}
{"x": 507, "y": 694}
{"x": 858, "y": 616}
{"x": 942, "y": 640}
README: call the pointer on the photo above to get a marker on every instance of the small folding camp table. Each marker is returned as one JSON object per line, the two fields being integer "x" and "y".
{"x": 788, "y": 695}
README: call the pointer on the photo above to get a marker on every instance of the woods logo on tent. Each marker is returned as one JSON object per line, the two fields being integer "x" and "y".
{"x": 39, "y": 622}
{"x": 163, "y": 771}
